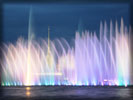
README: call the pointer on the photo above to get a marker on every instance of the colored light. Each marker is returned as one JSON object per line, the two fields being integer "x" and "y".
{"x": 91, "y": 61}
{"x": 28, "y": 88}
{"x": 28, "y": 93}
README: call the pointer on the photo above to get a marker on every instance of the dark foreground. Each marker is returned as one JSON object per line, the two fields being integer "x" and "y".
{"x": 66, "y": 92}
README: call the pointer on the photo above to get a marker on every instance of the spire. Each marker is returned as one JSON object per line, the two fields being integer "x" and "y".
{"x": 48, "y": 37}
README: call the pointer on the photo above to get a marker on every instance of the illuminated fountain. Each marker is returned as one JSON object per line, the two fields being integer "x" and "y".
{"x": 105, "y": 60}
{"x": 92, "y": 61}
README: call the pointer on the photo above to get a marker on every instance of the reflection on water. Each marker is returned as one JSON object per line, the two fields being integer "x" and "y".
{"x": 28, "y": 88}
{"x": 28, "y": 91}
{"x": 68, "y": 92}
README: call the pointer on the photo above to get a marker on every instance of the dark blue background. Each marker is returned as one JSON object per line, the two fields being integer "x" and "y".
{"x": 63, "y": 19}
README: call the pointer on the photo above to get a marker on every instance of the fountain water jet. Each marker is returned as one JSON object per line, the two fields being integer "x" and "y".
{"x": 93, "y": 60}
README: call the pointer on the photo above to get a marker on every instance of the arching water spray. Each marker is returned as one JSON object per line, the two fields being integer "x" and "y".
{"x": 92, "y": 61}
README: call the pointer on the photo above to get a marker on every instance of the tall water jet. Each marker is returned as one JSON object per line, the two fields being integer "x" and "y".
{"x": 93, "y": 60}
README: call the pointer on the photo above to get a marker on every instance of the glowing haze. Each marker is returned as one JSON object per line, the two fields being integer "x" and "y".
{"x": 93, "y": 60}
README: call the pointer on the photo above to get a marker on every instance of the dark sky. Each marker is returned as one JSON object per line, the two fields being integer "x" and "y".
{"x": 63, "y": 19}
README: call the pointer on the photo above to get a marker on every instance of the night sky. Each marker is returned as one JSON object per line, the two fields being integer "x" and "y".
{"x": 63, "y": 19}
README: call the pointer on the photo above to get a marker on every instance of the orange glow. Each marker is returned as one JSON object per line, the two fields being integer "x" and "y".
{"x": 28, "y": 93}
{"x": 27, "y": 88}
